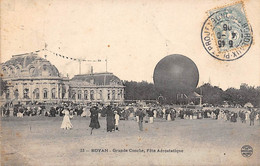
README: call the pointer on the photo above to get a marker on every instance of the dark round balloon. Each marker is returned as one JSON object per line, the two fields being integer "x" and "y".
{"x": 176, "y": 74}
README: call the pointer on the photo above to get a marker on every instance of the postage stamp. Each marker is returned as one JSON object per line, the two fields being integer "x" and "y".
{"x": 226, "y": 34}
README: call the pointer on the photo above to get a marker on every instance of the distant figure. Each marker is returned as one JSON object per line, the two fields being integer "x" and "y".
{"x": 94, "y": 123}
{"x": 137, "y": 112}
{"x": 154, "y": 113}
{"x": 66, "y": 124}
{"x": 84, "y": 112}
{"x": 151, "y": 115}
{"x": 252, "y": 117}
{"x": 117, "y": 117}
{"x": 243, "y": 117}
{"x": 141, "y": 119}
{"x": 247, "y": 115}
{"x": 217, "y": 112}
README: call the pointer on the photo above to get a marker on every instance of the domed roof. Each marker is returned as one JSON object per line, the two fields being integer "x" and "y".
{"x": 28, "y": 65}
{"x": 98, "y": 79}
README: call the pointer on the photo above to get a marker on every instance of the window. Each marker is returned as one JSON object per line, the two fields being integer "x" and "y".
{"x": 100, "y": 95}
{"x": 16, "y": 93}
{"x": 85, "y": 95}
{"x": 4, "y": 71}
{"x": 92, "y": 95}
{"x": 17, "y": 69}
{"x": 11, "y": 71}
{"x": 108, "y": 94}
{"x": 79, "y": 94}
{"x": 45, "y": 93}
{"x": 121, "y": 93}
{"x": 118, "y": 94}
{"x": 113, "y": 94}
{"x": 53, "y": 93}
{"x": 25, "y": 93}
{"x": 73, "y": 94}
{"x": 31, "y": 70}
{"x": 7, "y": 95}
{"x": 36, "y": 94}
{"x": 63, "y": 92}
{"x": 44, "y": 67}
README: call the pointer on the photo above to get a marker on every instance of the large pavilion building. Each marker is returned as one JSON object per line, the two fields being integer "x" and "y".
{"x": 30, "y": 78}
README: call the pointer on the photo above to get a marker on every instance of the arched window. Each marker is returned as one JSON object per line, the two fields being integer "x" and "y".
{"x": 17, "y": 68}
{"x": 11, "y": 71}
{"x": 7, "y": 94}
{"x": 118, "y": 94}
{"x": 85, "y": 95}
{"x": 79, "y": 94}
{"x": 26, "y": 93}
{"x": 45, "y": 93}
{"x": 108, "y": 94}
{"x": 53, "y": 93}
{"x": 63, "y": 91}
{"x": 92, "y": 95}
{"x": 113, "y": 94}
{"x": 73, "y": 94}
{"x": 36, "y": 93}
{"x": 4, "y": 71}
{"x": 31, "y": 70}
{"x": 16, "y": 93}
{"x": 100, "y": 95}
{"x": 44, "y": 67}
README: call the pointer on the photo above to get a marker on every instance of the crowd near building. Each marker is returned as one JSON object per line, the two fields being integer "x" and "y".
{"x": 32, "y": 79}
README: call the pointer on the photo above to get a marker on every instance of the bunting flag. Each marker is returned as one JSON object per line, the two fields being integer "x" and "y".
{"x": 65, "y": 57}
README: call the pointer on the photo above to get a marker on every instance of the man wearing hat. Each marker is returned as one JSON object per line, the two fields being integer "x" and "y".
{"x": 94, "y": 123}
{"x": 141, "y": 118}
{"x": 110, "y": 117}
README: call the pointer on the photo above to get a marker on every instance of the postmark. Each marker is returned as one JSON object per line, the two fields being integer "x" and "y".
{"x": 226, "y": 34}
{"x": 246, "y": 151}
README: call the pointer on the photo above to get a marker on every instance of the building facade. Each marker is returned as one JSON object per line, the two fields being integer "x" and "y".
{"x": 30, "y": 78}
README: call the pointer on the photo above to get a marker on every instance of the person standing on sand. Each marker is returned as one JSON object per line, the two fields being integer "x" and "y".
{"x": 94, "y": 123}
{"x": 252, "y": 117}
{"x": 141, "y": 119}
{"x": 117, "y": 118}
{"x": 110, "y": 117}
{"x": 66, "y": 124}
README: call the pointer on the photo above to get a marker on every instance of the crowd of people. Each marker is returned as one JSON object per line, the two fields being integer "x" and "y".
{"x": 114, "y": 113}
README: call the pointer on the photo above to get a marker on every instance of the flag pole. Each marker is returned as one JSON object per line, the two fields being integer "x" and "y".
{"x": 79, "y": 66}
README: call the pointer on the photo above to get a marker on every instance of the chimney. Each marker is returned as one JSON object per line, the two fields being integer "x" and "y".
{"x": 91, "y": 70}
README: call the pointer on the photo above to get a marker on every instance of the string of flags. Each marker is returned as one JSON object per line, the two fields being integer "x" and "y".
{"x": 66, "y": 57}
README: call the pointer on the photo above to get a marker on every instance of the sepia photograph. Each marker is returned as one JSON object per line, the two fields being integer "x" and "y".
{"x": 130, "y": 82}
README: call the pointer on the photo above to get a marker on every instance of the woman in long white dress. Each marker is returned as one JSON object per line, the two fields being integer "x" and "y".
{"x": 66, "y": 124}
{"x": 117, "y": 118}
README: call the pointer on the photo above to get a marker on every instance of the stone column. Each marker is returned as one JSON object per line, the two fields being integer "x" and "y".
{"x": 20, "y": 91}
{"x": 67, "y": 92}
{"x": 57, "y": 91}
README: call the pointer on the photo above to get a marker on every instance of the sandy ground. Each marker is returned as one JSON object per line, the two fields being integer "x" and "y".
{"x": 40, "y": 141}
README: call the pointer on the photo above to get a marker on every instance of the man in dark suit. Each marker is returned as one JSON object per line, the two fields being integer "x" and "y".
{"x": 94, "y": 123}
{"x": 141, "y": 119}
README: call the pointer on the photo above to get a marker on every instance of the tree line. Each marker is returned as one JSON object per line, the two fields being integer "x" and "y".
{"x": 210, "y": 94}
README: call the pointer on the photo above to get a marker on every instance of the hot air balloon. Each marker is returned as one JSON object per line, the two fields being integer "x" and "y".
{"x": 175, "y": 74}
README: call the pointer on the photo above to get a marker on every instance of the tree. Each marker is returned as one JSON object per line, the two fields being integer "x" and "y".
{"x": 211, "y": 94}
{"x": 140, "y": 91}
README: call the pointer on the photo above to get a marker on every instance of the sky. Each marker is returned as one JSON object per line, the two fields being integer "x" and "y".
{"x": 132, "y": 35}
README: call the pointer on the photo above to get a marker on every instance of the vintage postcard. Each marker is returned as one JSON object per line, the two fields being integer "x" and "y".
{"x": 130, "y": 82}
